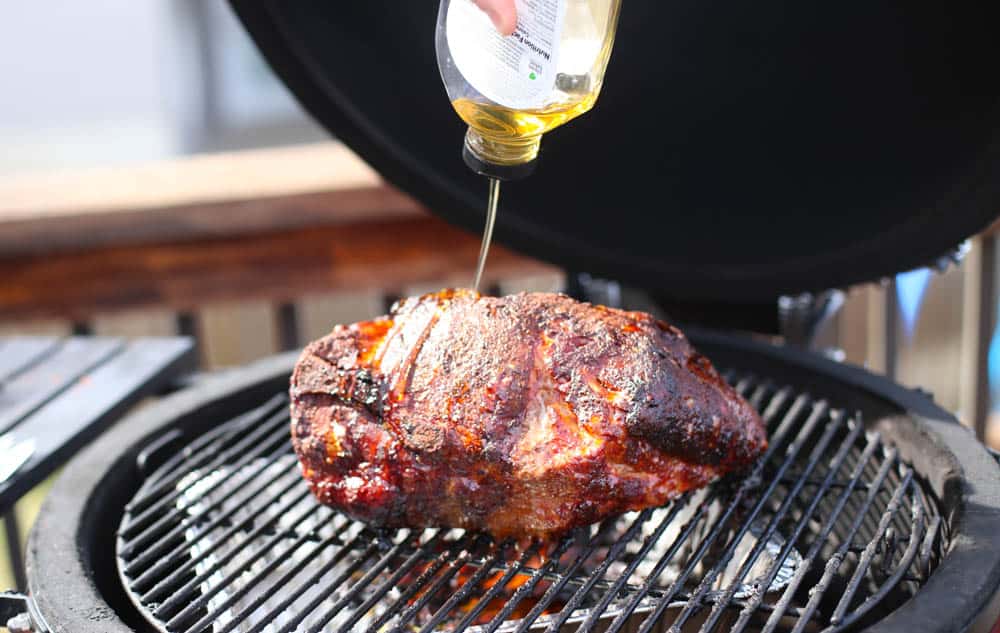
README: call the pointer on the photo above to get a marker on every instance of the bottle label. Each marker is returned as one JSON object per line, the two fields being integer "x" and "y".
{"x": 518, "y": 71}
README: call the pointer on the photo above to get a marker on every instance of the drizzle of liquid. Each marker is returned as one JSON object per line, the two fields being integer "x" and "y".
{"x": 491, "y": 218}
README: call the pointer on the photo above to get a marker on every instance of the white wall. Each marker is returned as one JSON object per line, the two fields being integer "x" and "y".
{"x": 99, "y": 82}
{"x": 83, "y": 82}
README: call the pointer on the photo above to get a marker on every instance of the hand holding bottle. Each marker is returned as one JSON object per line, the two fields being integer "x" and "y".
{"x": 502, "y": 12}
{"x": 513, "y": 90}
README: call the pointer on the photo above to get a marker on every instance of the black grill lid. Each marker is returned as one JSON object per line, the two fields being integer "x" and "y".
{"x": 739, "y": 151}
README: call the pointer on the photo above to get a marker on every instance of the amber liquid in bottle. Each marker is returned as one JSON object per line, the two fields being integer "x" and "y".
{"x": 513, "y": 137}
{"x": 563, "y": 45}
{"x": 516, "y": 135}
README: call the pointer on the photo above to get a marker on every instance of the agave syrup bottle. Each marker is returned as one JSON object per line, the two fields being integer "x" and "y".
{"x": 511, "y": 90}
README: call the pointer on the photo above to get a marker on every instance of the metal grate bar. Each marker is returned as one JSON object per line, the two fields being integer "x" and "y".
{"x": 623, "y": 578}
{"x": 835, "y": 465}
{"x": 145, "y": 524}
{"x": 783, "y": 604}
{"x": 429, "y": 592}
{"x": 819, "y": 413}
{"x": 428, "y": 574}
{"x": 816, "y": 483}
{"x": 174, "y": 536}
{"x": 745, "y": 384}
{"x": 769, "y": 414}
{"x": 422, "y": 552}
{"x": 499, "y": 586}
{"x": 556, "y": 587}
{"x": 777, "y": 402}
{"x": 757, "y": 397}
{"x": 647, "y": 545}
{"x": 904, "y": 565}
{"x": 752, "y": 481}
{"x": 750, "y": 484}
{"x": 206, "y": 596}
{"x": 199, "y": 452}
{"x": 599, "y": 572}
{"x": 527, "y": 588}
{"x": 927, "y": 547}
{"x": 180, "y": 460}
{"x": 166, "y": 587}
{"x": 337, "y": 581}
{"x": 154, "y": 528}
{"x": 833, "y": 565}
{"x": 866, "y": 557}
{"x": 267, "y": 619}
{"x": 661, "y": 564}
{"x": 470, "y": 585}
{"x": 366, "y": 580}
{"x": 832, "y": 427}
{"x": 154, "y": 494}
{"x": 151, "y": 580}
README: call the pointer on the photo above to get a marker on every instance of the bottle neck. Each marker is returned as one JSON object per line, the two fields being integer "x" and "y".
{"x": 506, "y": 152}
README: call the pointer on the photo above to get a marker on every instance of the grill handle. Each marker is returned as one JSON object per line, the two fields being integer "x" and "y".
{"x": 20, "y": 614}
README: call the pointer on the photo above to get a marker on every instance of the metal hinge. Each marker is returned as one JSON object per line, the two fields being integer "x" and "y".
{"x": 800, "y": 317}
{"x": 20, "y": 614}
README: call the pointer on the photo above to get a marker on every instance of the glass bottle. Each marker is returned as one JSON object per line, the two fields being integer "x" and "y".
{"x": 512, "y": 90}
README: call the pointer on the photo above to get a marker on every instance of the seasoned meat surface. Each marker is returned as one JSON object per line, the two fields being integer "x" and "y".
{"x": 525, "y": 415}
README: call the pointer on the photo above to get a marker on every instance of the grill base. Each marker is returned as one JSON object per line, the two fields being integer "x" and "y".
{"x": 86, "y": 506}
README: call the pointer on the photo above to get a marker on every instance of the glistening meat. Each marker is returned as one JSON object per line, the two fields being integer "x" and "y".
{"x": 525, "y": 415}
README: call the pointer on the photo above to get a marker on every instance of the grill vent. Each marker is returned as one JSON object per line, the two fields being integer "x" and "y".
{"x": 830, "y": 527}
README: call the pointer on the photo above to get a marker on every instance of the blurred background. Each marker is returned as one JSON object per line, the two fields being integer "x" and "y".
{"x": 157, "y": 179}
{"x": 114, "y": 83}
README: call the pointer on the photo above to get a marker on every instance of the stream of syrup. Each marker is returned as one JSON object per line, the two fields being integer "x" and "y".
{"x": 491, "y": 218}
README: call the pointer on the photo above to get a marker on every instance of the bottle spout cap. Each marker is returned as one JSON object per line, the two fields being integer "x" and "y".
{"x": 500, "y": 172}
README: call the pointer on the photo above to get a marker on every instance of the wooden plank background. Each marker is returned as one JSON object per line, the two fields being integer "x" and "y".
{"x": 251, "y": 251}
{"x": 255, "y": 250}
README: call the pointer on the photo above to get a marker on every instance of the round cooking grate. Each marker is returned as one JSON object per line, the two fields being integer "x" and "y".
{"x": 830, "y": 528}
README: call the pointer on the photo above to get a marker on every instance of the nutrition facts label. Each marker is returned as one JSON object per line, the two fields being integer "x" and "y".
{"x": 518, "y": 71}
